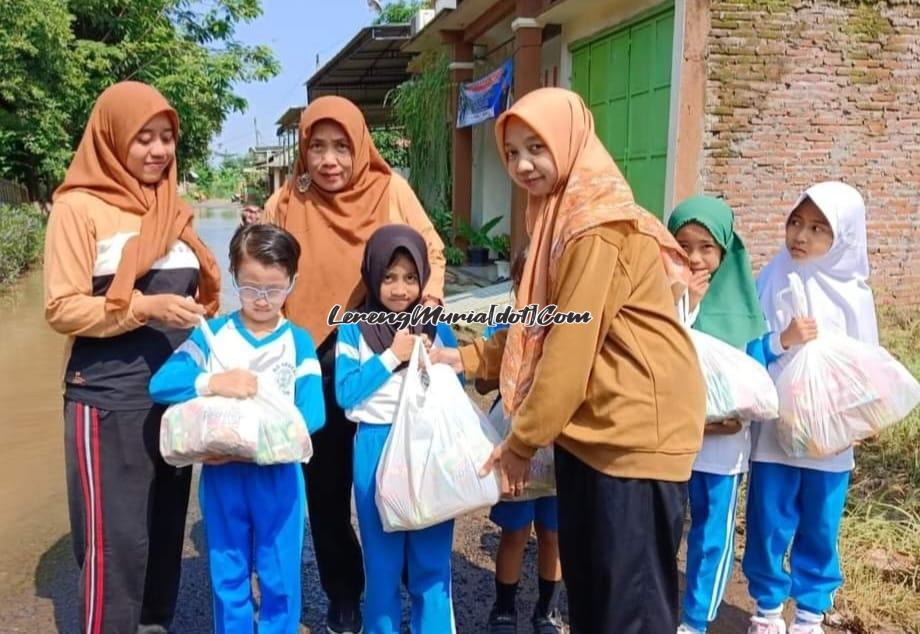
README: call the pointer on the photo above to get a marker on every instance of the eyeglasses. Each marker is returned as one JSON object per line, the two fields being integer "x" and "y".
{"x": 271, "y": 295}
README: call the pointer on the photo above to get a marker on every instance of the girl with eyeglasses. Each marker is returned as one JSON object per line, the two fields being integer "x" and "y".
{"x": 253, "y": 514}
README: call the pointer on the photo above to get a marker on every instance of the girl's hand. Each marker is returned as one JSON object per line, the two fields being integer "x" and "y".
{"x": 172, "y": 310}
{"x": 449, "y": 356}
{"x": 403, "y": 342}
{"x": 723, "y": 427}
{"x": 699, "y": 284}
{"x": 250, "y": 214}
{"x": 234, "y": 384}
{"x": 800, "y": 331}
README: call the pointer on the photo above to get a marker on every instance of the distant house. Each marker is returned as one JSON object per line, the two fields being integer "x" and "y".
{"x": 283, "y": 165}
{"x": 752, "y": 100}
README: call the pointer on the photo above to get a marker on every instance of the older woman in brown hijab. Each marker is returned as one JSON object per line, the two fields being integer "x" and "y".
{"x": 125, "y": 278}
{"x": 341, "y": 192}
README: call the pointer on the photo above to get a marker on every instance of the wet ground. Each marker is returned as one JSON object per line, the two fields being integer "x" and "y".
{"x": 38, "y": 577}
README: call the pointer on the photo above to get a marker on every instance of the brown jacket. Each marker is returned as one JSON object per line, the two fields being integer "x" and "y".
{"x": 623, "y": 393}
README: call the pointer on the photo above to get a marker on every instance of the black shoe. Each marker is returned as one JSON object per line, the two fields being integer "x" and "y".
{"x": 502, "y": 622}
{"x": 548, "y": 623}
{"x": 344, "y": 618}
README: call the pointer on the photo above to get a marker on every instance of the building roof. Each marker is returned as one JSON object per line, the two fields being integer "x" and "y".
{"x": 366, "y": 70}
{"x": 290, "y": 119}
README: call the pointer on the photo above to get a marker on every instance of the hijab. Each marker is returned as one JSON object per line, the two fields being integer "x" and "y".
{"x": 332, "y": 227}
{"x": 839, "y": 297}
{"x": 381, "y": 248}
{"x": 589, "y": 191}
{"x": 730, "y": 309}
{"x": 98, "y": 168}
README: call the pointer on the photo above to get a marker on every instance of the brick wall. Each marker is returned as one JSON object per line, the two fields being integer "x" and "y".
{"x": 800, "y": 91}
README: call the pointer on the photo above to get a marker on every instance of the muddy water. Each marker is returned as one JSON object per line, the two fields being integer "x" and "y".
{"x": 33, "y": 503}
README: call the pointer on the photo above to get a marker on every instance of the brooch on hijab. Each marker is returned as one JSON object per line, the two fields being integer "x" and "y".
{"x": 303, "y": 182}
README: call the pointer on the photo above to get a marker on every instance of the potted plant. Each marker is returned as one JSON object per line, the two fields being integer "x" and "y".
{"x": 501, "y": 245}
{"x": 453, "y": 255}
{"x": 478, "y": 241}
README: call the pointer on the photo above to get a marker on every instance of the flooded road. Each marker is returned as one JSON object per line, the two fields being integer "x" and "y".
{"x": 33, "y": 502}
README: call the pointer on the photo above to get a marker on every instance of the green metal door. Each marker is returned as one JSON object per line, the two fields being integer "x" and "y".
{"x": 625, "y": 78}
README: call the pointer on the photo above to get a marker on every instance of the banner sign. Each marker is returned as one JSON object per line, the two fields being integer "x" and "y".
{"x": 485, "y": 98}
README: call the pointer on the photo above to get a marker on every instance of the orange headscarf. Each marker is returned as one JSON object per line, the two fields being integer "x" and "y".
{"x": 98, "y": 168}
{"x": 332, "y": 228}
{"x": 589, "y": 191}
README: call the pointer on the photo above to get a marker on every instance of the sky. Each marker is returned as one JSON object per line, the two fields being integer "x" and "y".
{"x": 297, "y": 31}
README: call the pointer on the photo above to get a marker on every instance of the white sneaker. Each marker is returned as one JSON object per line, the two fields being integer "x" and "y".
{"x": 686, "y": 629}
{"x": 764, "y": 625}
{"x": 806, "y": 628}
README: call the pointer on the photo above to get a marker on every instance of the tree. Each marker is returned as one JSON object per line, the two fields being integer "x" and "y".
{"x": 400, "y": 11}
{"x": 392, "y": 145}
{"x": 58, "y": 56}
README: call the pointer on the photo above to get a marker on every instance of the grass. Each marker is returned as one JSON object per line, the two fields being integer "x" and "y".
{"x": 22, "y": 236}
{"x": 880, "y": 535}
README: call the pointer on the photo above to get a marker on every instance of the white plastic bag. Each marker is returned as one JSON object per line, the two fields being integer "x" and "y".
{"x": 542, "y": 466}
{"x": 265, "y": 429}
{"x": 737, "y": 387}
{"x": 836, "y": 390}
{"x": 429, "y": 470}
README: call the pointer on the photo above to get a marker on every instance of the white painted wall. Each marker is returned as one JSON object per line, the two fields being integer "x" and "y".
{"x": 491, "y": 186}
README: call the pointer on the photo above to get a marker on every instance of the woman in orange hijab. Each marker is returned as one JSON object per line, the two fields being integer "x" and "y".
{"x": 126, "y": 277}
{"x": 621, "y": 397}
{"x": 341, "y": 192}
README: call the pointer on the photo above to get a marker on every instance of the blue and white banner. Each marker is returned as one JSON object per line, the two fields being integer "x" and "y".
{"x": 485, "y": 98}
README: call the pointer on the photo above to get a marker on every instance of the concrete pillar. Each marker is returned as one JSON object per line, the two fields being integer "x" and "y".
{"x": 461, "y": 70}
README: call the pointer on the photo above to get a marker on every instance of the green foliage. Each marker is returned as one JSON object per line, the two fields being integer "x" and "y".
{"x": 233, "y": 176}
{"x": 22, "y": 235}
{"x": 501, "y": 245}
{"x": 421, "y": 107}
{"x": 392, "y": 145}
{"x": 453, "y": 255}
{"x": 58, "y": 56}
{"x": 443, "y": 222}
{"x": 479, "y": 237}
{"x": 400, "y": 11}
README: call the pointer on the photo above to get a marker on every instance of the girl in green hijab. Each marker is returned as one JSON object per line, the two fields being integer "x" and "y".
{"x": 722, "y": 301}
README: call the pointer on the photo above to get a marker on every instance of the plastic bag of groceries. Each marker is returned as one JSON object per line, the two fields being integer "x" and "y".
{"x": 265, "y": 429}
{"x": 737, "y": 387}
{"x": 542, "y": 466}
{"x": 836, "y": 390}
{"x": 429, "y": 470}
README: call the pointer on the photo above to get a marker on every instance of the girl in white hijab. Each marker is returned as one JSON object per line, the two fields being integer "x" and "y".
{"x": 799, "y": 501}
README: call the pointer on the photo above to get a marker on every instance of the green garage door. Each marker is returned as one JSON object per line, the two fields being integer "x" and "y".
{"x": 625, "y": 77}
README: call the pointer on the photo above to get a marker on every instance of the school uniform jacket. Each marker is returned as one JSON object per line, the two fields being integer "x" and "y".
{"x": 112, "y": 354}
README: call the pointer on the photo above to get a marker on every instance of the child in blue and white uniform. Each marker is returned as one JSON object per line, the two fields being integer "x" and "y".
{"x": 254, "y": 515}
{"x": 722, "y": 301}
{"x": 516, "y": 518}
{"x": 369, "y": 373}
{"x": 795, "y": 504}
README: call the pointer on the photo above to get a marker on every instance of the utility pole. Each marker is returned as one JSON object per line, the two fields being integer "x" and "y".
{"x": 255, "y": 124}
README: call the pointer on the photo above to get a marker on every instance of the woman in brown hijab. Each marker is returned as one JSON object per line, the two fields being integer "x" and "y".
{"x": 622, "y": 397}
{"x": 126, "y": 276}
{"x": 341, "y": 192}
